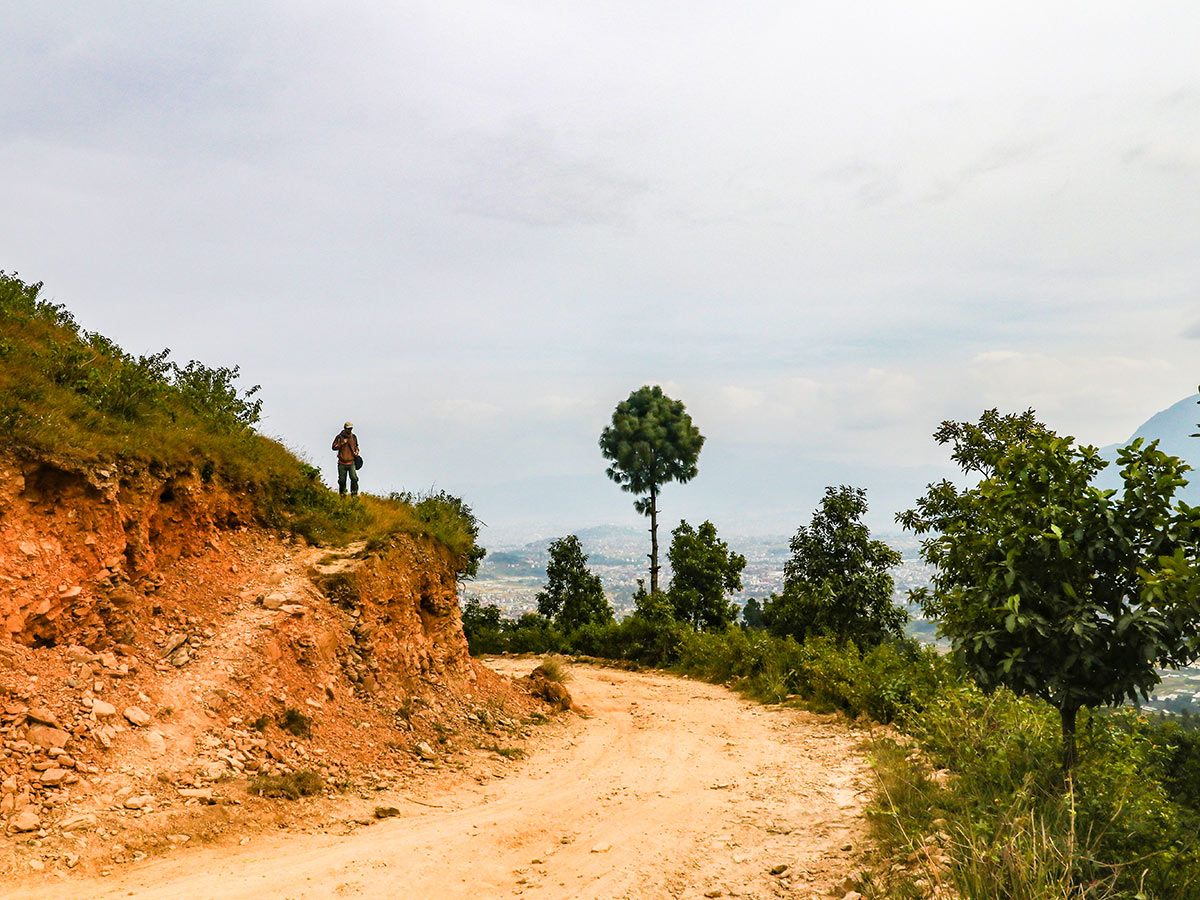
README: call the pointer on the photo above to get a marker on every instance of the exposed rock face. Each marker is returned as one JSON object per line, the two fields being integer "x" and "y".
{"x": 408, "y": 627}
{"x": 84, "y": 547}
{"x": 143, "y": 629}
{"x": 79, "y": 543}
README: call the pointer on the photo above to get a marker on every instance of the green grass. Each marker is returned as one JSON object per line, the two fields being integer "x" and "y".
{"x": 76, "y": 392}
{"x": 1005, "y": 825}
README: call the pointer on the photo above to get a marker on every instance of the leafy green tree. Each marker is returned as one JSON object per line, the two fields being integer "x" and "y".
{"x": 836, "y": 582}
{"x": 752, "y": 615}
{"x": 1049, "y": 586}
{"x": 482, "y": 626}
{"x": 653, "y": 607}
{"x": 573, "y": 595}
{"x": 651, "y": 441}
{"x": 703, "y": 572}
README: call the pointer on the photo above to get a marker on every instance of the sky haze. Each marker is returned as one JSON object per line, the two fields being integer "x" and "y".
{"x": 473, "y": 228}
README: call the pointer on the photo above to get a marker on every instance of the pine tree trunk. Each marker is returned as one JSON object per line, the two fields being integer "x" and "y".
{"x": 653, "y": 539}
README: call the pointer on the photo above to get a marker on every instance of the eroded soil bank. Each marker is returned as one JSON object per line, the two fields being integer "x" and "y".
{"x": 242, "y": 659}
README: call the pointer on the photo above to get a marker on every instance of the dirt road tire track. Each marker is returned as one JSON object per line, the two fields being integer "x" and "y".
{"x": 671, "y": 789}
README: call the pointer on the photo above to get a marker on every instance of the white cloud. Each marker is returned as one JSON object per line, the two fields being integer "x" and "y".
{"x": 823, "y": 232}
{"x": 561, "y": 406}
{"x": 1097, "y": 397}
{"x": 522, "y": 174}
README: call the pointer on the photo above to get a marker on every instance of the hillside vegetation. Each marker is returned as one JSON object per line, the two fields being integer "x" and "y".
{"x": 969, "y": 796}
{"x": 1012, "y": 768}
{"x": 74, "y": 395}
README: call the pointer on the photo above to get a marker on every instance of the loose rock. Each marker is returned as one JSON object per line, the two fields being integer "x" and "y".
{"x": 102, "y": 709}
{"x": 46, "y": 736}
{"x": 79, "y": 822}
{"x": 137, "y": 716}
{"x": 155, "y": 743}
{"x": 40, "y": 715}
{"x": 26, "y": 820}
{"x": 273, "y": 601}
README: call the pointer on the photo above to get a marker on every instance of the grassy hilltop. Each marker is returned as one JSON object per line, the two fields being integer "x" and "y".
{"x": 75, "y": 396}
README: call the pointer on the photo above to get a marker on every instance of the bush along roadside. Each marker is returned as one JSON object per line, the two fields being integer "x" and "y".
{"x": 969, "y": 799}
{"x": 980, "y": 807}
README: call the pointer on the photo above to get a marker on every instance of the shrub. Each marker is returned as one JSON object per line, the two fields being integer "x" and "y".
{"x": 533, "y": 634}
{"x": 601, "y": 639}
{"x": 650, "y": 642}
{"x": 295, "y": 722}
{"x": 554, "y": 668}
{"x": 451, "y": 521}
{"x": 763, "y": 666}
{"x": 481, "y": 626}
{"x": 887, "y": 683}
{"x": 304, "y": 783}
{"x": 1181, "y": 767}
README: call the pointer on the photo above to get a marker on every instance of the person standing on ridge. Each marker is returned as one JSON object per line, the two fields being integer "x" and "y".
{"x": 346, "y": 445}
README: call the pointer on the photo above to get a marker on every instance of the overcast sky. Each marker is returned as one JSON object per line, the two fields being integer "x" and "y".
{"x": 472, "y": 228}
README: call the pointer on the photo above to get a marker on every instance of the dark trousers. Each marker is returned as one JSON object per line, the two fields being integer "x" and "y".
{"x": 345, "y": 469}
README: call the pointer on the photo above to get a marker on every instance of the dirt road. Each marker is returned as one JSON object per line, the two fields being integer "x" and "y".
{"x": 670, "y": 789}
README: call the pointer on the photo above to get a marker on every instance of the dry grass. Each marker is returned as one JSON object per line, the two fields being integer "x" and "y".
{"x": 304, "y": 783}
{"x": 554, "y": 668}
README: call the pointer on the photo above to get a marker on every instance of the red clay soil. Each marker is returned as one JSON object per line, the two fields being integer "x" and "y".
{"x": 157, "y": 657}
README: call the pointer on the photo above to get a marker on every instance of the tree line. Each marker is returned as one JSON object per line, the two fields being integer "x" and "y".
{"x": 1043, "y": 583}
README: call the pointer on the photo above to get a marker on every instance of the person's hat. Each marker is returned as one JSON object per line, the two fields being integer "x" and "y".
{"x": 348, "y": 425}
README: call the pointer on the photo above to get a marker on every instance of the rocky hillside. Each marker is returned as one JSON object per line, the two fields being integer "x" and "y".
{"x": 81, "y": 544}
{"x": 176, "y": 653}
{"x": 161, "y": 659}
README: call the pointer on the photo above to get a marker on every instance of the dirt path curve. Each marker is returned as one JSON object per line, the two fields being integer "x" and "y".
{"x": 671, "y": 789}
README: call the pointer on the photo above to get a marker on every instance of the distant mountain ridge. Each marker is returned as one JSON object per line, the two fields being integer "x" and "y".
{"x": 1172, "y": 428}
